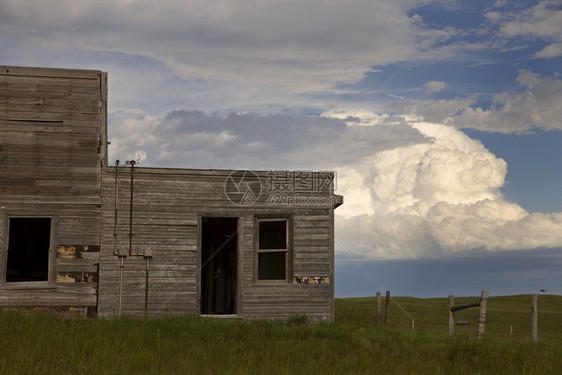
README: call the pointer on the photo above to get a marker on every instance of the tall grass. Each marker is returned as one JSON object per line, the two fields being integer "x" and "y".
{"x": 355, "y": 343}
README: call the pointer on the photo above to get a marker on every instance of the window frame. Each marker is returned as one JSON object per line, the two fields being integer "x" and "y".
{"x": 50, "y": 282}
{"x": 288, "y": 249}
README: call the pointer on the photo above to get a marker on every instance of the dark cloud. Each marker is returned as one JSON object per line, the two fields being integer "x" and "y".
{"x": 501, "y": 273}
{"x": 249, "y": 140}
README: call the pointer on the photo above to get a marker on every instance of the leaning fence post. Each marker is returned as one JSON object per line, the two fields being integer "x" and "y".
{"x": 379, "y": 314}
{"x": 482, "y": 314}
{"x": 451, "y": 315}
{"x": 387, "y": 309}
{"x": 534, "y": 318}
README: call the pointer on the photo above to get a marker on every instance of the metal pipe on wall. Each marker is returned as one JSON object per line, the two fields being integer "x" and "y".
{"x": 146, "y": 290}
{"x": 132, "y": 164}
{"x": 115, "y": 252}
{"x": 121, "y": 266}
{"x": 147, "y": 256}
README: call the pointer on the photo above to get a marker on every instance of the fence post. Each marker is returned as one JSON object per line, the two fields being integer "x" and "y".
{"x": 451, "y": 315}
{"x": 534, "y": 318}
{"x": 482, "y": 314}
{"x": 379, "y": 314}
{"x": 387, "y": 309}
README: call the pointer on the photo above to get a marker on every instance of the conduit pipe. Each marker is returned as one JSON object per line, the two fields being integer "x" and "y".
{"x": 147, "y": 256}
{"x": 132, "y": 164}
{"x": 121, "y": 266}
{"x": 115, "y": 251}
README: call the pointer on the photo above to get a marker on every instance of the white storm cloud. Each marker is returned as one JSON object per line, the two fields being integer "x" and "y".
{"x": 435, "y": 197}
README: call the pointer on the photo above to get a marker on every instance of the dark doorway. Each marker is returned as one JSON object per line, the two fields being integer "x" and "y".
{"x": 219, "y": 245}
{"x": 28, "y": 249}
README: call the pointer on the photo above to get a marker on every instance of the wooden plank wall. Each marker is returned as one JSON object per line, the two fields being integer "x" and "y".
{"x": 161, "y": 220}
{"x": 168, "y": 205}
{"x": 53, "y": 137}
{"x": 312, "y": 257}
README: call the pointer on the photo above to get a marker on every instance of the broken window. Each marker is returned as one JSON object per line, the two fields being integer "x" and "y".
{"x": 273, "y": 249}
{"x": 29, "y": 242}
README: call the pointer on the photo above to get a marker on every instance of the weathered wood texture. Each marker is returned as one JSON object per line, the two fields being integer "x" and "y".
{"x": 53, "y": 142}
{"x": 534, "y": 318}
{"x": 482, "y": 314}
{"x": 167, "y": 207}
{"x": 53, "y": 157}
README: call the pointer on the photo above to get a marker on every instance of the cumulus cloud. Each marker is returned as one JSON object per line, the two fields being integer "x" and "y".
{"x": 434, "y": 86}
{"x": 542, "y": 21}
{"x": 435, "y": 110}
{"x": 539, "y": 105}
{"x": 552, "y": 50}
{"x": 435, "y": 197}
{"x": 536, "y": 104}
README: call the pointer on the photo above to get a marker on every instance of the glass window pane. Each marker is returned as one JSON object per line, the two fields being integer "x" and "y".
{"x": 273, "y": 234}
{"x": 271, "y": 265}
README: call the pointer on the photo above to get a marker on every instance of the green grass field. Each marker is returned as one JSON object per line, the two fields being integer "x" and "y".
{"x": 354, "y": 343}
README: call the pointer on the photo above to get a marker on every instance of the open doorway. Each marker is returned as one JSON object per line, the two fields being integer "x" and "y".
{"x": 219, "y": 245}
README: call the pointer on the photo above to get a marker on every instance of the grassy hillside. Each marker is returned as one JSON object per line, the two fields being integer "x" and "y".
{"x": 355, "y": 343}
{"x": 504, "y": 314}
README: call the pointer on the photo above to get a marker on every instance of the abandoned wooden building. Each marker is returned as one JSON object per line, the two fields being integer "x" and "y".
{"x": 83, "y": 235}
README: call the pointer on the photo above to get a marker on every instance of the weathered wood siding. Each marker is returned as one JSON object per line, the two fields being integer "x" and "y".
{"x": 53, "y": 163}
{"x": 162, "y": 220}
{"x": 53, "y": 143}
{"x": 167, "y": 210}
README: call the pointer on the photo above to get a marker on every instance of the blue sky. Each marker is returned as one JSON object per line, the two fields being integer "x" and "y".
{"x": 442, "y": 118}
{"x": 534, "y": 161}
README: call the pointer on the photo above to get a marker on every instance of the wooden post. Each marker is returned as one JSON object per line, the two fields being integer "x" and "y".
{"x": 387, "y": 309}
{"x": 379, "y": 313}
{"x": 451, "y": 315}
{"x": 482, "y": 314}
{"x": 534, "y": 318}
{"x": 413, "y": 324}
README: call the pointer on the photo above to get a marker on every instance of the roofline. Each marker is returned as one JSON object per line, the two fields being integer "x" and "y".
{"x": 49, "y": 72}
{"x": 215, "y": 171}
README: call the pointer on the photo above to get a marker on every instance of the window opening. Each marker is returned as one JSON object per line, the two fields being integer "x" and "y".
{"x": 273, "y": 249}
{"x": 29, "y": 242}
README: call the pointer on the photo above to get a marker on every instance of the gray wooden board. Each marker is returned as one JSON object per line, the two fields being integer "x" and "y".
{"x": 6, "y": 70}
{"x": 52, "y": 149}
